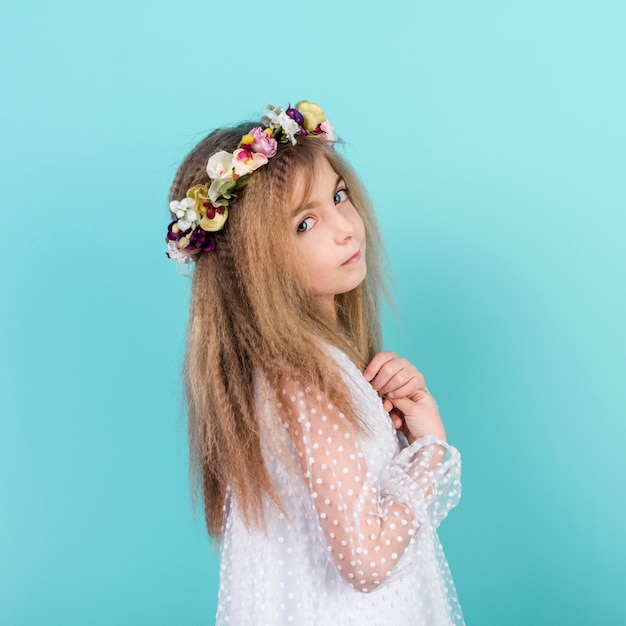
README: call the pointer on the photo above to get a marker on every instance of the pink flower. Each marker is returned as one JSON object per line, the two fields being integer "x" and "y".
{"x": 246, "y": 161}
{"x": 327, "y": 131}
{"x": 262, "y": 142}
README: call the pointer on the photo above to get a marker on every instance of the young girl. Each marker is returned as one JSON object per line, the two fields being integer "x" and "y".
{"x": 323, "y": 462}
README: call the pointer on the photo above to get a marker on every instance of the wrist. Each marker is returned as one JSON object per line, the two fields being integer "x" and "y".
{"x": 420, "y": 431}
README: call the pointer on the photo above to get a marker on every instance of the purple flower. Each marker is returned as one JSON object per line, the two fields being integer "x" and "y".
{"x": 200, "y": 240}
{"x": 209, "y": 244}
{"x": 196, "y": 239}
{"x": 173, "y": 235}
{"x": 295, "y": 115}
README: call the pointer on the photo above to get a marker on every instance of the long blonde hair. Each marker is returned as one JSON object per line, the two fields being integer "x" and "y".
{"x": 252, "y": 313}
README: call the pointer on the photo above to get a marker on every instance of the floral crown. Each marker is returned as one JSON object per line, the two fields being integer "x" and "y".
{"x": 204, "y": 210}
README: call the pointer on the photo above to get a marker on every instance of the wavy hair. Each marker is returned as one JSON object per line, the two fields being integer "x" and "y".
{"x": 252, "y": 314}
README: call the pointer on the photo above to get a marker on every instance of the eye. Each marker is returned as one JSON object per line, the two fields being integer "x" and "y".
{"x": 341, "y": 195}
{"x": 305, "y": 225}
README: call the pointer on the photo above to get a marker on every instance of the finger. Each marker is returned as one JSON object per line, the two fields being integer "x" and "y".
{"x": 396, "y": 419}
{"x": 414, "y": 405}
{"x": 406, "y": 382}
{"x": 389, "y": 370}
{"x": 403, "y": 383}
{"x": 415, "y": 386}
{"x": 387, "y": 405}
{"x": 376, "y": 363}
{"x": 404, "y": 405}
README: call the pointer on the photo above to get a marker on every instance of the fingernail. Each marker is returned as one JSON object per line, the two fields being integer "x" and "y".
{"x": 367, "y": 376}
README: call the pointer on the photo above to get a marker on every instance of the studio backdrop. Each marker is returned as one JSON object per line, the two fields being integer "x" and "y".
{"x": 490, "y": 136}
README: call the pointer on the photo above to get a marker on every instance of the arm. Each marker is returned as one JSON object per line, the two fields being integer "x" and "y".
{"x": 368, "y": 521}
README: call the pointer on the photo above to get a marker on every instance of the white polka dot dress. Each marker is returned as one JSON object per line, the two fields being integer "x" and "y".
{"x": 356, "y": 543}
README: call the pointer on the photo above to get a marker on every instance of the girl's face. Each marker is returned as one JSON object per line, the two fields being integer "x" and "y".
{"x": 331, "y": 235}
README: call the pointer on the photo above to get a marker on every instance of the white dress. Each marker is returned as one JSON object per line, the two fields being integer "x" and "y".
{"x": 357, "y": 542}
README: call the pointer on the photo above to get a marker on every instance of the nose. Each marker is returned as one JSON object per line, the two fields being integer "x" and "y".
{"x": 344, "y": 228}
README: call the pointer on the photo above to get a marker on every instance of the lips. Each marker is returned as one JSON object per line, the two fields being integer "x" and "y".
{"x": 353, "y": 259}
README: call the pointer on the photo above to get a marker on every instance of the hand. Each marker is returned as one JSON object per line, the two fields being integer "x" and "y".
{"x": 393, "y": 376}
{"x": 411, "y": 408}
{"x": 417, "y": 418}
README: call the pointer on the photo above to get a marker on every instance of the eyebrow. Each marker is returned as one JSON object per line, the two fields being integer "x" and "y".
{"x": 310, "y": 205}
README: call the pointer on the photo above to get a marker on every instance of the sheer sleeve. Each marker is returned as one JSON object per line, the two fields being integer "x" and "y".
{"x": 370, "y": 518}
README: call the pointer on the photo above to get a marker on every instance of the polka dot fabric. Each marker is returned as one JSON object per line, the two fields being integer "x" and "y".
{"x": 356, "y": 543}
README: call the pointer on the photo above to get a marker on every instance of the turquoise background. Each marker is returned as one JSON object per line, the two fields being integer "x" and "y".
{"x": 491, "y": 137}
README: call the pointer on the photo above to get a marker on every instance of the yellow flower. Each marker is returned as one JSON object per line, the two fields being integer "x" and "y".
{"x": 215, "y": 223}
{"x": 312, "y": 113}
{"x": 199, "y": 194}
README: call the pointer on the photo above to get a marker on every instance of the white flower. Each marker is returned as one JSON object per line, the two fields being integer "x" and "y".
{"x": 185, "y": 212}
{"x": 220, "y": 165}
{"x": 278, "y": 117}
{"x": 188, "y": 220}
{"x": 177, "y": 255}
{"x": 180, "y": 208}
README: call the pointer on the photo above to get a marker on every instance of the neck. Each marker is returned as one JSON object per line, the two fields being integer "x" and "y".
{"x": 328, "y": 303}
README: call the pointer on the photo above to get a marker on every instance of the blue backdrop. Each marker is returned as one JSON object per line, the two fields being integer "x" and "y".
{"x": 491, "y": 137}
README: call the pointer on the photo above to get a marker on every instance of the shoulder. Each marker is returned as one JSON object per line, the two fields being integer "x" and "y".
{"x": 346, "y": 368}
{"x": 297, "y": 397}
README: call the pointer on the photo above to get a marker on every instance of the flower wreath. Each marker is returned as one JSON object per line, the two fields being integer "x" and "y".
{"x": 204, "y": 210}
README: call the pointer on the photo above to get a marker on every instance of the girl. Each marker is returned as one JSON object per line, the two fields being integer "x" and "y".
{"x": 324, "y": 496}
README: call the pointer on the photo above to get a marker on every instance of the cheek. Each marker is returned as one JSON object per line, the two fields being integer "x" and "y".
{"x": 359, "y": 225}
{"x": 311, "y": 257}
{"x": 320, "y": 273}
